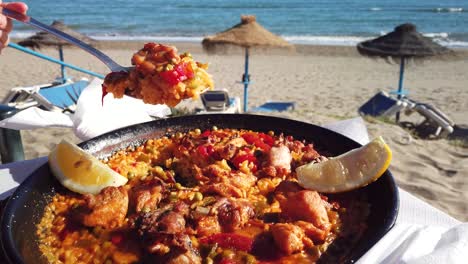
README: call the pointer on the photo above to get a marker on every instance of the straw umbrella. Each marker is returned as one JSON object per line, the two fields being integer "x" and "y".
{"x": 403, "y": 43}
{"x": 42, "y": 38}
{"x": 247, "y": 34}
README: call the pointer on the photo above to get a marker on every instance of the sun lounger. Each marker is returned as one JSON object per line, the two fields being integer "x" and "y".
{"x": 384, "y": 104}
{"x": 433, "y": 116}
{"x": 51, "y": 97}
{"x": 275, "y": 107}
{"x": 218, "y": 101}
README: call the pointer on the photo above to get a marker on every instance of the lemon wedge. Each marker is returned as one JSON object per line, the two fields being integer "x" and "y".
{"x": 351, "y": 170}
{"x": 81, "y": 172}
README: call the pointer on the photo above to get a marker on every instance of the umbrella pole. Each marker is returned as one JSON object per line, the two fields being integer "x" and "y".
{"x": 400, "y": 85}
{"x": 246, "y": 78}
{"x": 62, "y": 67}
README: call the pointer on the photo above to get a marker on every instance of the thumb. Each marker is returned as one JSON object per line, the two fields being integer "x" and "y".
{"x": 19, "y": 7}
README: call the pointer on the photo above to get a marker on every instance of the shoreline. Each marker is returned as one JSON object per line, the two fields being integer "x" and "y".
{"x": 299, "y": 49}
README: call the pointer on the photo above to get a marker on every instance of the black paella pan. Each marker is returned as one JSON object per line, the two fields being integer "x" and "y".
{"x": 25, "y": 207}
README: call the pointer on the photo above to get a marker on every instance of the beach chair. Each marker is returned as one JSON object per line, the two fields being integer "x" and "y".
{"x": 433, "y": 117}
{"x": 52, "y": 97}
{"x": 218, "y": 101}
{"x": 274, "y": 107}
{"x": 382, "y": 104}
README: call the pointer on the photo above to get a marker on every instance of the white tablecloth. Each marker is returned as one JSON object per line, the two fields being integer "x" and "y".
{"x": 422, "y": 233}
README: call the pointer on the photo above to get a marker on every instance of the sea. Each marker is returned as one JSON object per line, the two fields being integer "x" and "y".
{"x": 325, "y": 22}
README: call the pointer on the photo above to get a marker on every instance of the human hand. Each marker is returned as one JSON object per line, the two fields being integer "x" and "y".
{"x": 6, "y": 24}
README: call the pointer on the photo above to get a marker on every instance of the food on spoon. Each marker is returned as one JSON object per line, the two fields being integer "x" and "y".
{"x": 160, "y": 76}
{"x": 351, "y": 170}
{"x": 215, "y": 196}
{"x": 81, "y": 172}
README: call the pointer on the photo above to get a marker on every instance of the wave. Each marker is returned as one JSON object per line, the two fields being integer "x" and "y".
{"x": 448, "y": 10}
{"x": 149, "y": 38}
{"x": 325, "y": 40}
{"x": 375, "y": 9}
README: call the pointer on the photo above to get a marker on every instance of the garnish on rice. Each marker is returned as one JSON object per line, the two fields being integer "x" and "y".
{"x": 160, "y": 76}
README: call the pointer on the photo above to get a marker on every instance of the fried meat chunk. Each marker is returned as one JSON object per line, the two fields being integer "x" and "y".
{"x": 146, "y": 197}
{"x": 290, "y": 238}
{"x": 305, "y": 205}
{"x": 106, "y": 209}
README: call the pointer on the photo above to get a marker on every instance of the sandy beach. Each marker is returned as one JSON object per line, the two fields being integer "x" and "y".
{"x": 327, "y": 83}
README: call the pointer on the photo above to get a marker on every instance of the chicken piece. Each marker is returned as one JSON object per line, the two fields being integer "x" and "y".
{"x": 241, "y": 180}
{"x": 172, "y": 223}
{"x": 280, "y": 157}
{"x": 233, "y": 214}
{"x": 229, "y": 150}
{"x": 233, "y": 185}
{"x": 310, "y": 153}
{"x": 305, "y": 205}
{"x": 106, "y": 209}
{"x": 290, "y": 238}
{"x": 169, "y": 219}
{"x": 146, "y": 197}
{"x": 316, "y": 234}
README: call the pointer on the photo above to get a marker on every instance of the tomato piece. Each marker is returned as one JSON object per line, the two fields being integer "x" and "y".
{"x": 229, "y": 240}
{"x": 171, "y": 77}
{"x": 183, "y": 71}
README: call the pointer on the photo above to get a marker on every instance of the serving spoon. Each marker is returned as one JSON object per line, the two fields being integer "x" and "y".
{"x": 110, "y": 63}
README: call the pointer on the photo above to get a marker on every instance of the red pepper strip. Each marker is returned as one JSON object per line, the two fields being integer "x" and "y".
{"x": 205, "y": 150}
{"x": 229, "y": 240}
{"x": 267, "y": 139}
{"x": 260, "y": 140}
{"x": 237, "y": 161}
{"x": 250, "y": 137}
{"x": 206, "y": 133}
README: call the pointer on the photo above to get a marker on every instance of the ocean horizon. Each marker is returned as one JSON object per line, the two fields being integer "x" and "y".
{"x": 326, "y": 22}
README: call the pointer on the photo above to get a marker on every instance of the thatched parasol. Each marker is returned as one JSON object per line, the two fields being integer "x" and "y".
{"x": 248, "y": 33}
{"x": 42, "y": 38}
{"x": 402, "y": 43}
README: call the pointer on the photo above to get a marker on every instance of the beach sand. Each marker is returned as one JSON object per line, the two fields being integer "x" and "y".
{"x": 327, "y": 83}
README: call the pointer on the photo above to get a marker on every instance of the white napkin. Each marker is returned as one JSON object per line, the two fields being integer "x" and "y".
{"x": 91, "y": 117}
{"x": 413, "y": 244}
{"x": 34, "y": 117}
{"x": 353, "y": 128}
